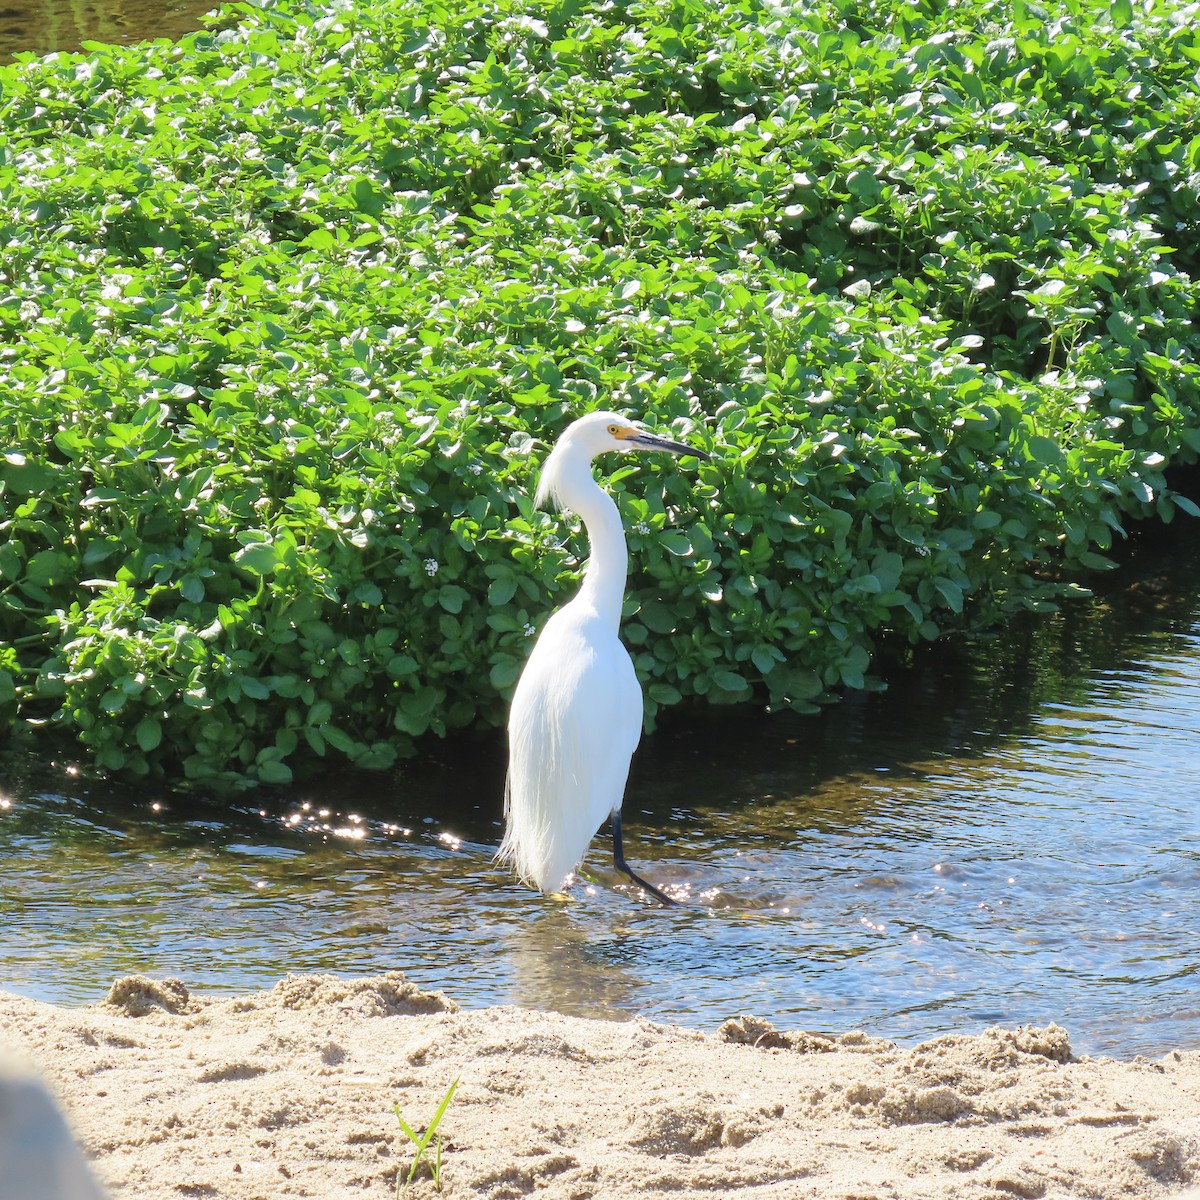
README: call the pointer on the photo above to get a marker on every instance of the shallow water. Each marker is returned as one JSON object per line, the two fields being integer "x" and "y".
{"x": 41, "y": 26}
{"x": 1007, "y": 835}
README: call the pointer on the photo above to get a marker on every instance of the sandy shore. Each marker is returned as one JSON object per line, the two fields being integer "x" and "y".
{"x": 290, "y": 1093}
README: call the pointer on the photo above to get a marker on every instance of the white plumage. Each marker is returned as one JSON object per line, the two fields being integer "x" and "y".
{"x": 575, "y": 721}
{"x": 576, "y": 714}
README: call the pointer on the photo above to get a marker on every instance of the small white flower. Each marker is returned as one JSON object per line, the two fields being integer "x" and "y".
{"x": 530, "y": 630}
{"x": 923, "y": 551}
{"x": 476, "y": 468}
{"x": 431, "y": 566}
{"x": 641, "y": 527}
{"x": 30, "y": 311}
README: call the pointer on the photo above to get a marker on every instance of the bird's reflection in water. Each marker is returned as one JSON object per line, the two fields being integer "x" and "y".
{"x": 555, "y": 962}
{"x": 591, "y": 954}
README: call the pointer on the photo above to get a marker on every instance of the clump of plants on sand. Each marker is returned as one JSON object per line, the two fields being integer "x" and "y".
{"x": 290, "y": 310}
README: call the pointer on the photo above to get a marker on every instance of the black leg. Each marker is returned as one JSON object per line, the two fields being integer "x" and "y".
{"x": 621, "y": 865}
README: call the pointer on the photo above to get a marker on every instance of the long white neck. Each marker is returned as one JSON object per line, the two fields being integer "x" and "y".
{"x": 573, "y": 486}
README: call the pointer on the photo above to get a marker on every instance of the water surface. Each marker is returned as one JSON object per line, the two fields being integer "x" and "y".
{"x": 1007, "y": 835}
{"x": 42, "y": 26}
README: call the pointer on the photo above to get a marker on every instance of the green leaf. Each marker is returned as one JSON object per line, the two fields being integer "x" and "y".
{"x": 501, "y": 591}
{"x": 765, "y": 658}
{"x": 191, "y": 587}
{"x": 47, "y": 567}
{"x": 676, "y": 542}
{"x": 951, "y": 592}
{"x": 729, "y": 681}
{"x": 273, "y": 771}
{"x": 11, "y": 562}
{"x": 259, "y": 558}
{"x": 367, "y": 197}
{"x": 367, "y": 593}
{"x": 657, "y": 617}
{"x": 319, "y": 239}
{"x": 503, "y": 675}
{"x": 25, "y": 475}
{"x": 1045, "y": 450}
{"x": 452, "y": 598}
{"x": 148, "y": 733}
{"x": 337, "y": 738}
{"x": 863, "y": 184}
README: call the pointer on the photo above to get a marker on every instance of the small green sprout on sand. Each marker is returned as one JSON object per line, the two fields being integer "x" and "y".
{"x": 421, "y": 1142}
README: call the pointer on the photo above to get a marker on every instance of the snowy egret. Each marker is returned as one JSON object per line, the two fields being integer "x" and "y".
{"x": 576, "y": 714}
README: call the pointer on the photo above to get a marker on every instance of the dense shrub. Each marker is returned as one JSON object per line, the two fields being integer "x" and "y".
{"x": 289, "y": 311}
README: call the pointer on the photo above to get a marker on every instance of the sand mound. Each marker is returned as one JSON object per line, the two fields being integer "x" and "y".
{"x": 387, "y": 995}
{"x": 290, "y": 1093}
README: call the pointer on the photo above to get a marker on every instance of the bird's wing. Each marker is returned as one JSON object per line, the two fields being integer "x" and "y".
{"x": 576, "y": 718}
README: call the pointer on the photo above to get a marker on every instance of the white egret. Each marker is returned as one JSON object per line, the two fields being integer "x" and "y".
{"x": 576, "y": 714}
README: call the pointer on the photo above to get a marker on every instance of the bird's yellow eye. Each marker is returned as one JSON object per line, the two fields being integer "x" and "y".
{"x": 615, "y": 430}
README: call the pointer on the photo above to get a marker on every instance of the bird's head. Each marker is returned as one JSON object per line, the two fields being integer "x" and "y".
{"x": 601, "y": 433}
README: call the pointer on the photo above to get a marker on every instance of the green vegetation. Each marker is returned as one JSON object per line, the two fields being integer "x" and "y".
{"x": 421, "y": 1142}
{"x": 289, "y": 312}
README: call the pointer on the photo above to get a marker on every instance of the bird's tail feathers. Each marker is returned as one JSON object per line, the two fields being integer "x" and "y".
{"x": 544, "y": 837}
